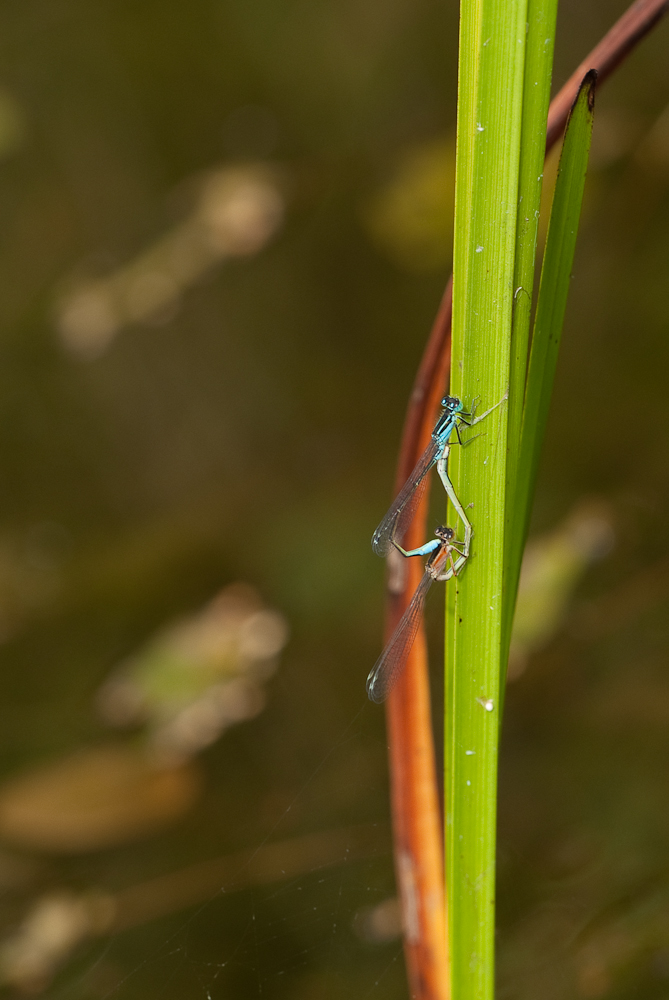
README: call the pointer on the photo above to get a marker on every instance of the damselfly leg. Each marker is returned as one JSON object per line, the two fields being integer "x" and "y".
{"x": 400, "y": 514}
{"x": 441, "y": 565}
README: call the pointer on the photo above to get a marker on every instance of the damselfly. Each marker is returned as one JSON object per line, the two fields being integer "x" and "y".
{"x": 440, "y": 566}
{"x": 393, "y": 527}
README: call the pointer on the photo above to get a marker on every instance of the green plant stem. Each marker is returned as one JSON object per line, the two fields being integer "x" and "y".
{"x": 490, "y": 95}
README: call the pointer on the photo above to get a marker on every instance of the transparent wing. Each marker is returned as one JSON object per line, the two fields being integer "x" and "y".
{"x": 387, "y": 669}
{"x": 401, "y": 511}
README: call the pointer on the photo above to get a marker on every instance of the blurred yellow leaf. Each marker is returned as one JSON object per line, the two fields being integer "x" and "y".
{"x": 411, "y": 218}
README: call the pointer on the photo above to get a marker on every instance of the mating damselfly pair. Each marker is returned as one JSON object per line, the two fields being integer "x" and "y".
{"x": 442, "y": 564}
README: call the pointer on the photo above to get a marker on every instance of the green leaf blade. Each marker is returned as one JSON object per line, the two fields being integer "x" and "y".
{"x": 549, "y": 318}
{"x": 541, "y": 18}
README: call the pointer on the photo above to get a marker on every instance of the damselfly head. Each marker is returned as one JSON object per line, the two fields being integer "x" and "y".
{"x": 451, "y": 403}
{"x": 444, "y": 533}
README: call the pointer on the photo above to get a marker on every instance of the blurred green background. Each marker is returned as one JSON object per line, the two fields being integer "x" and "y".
{"x": 241, "y": 425}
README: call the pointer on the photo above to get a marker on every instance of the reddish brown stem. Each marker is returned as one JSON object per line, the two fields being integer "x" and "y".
{"x": 417, "y": 832}
{"x": 616, "y": 44}
{"x": 417, "y": 827}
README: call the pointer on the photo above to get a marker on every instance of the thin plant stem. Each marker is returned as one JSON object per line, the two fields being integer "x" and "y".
{"x": 639, "y": 18}
{"x": 417, "y": 828}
